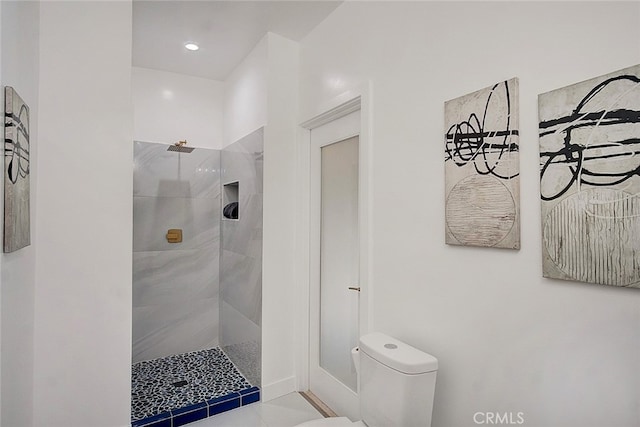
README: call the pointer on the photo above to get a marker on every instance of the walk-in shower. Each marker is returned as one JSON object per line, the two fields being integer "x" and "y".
{"x": 197, "y": 280}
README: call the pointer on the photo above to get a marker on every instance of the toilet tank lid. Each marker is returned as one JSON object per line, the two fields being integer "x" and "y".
{"x": 397, "y": 354}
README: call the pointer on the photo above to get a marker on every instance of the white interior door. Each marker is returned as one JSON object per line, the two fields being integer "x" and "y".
{"x": 335, "y": 263}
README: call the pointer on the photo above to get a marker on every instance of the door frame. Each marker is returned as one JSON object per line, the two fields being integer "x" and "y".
{"x": 359, "y": 98}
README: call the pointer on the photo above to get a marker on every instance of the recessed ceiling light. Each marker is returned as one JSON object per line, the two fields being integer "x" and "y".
{"x": 191, "y": 46}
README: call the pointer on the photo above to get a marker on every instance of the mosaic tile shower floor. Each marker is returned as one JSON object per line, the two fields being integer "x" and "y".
{"x": 164, "y": 385}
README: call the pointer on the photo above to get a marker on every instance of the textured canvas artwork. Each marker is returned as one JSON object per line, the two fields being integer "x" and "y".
{"x": 16, "y": 179}
{"x": 589, "y": 136}
{"x": 482, "y": 186}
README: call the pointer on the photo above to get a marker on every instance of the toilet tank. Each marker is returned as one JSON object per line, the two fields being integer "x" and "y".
{"x": 397, "y": 383}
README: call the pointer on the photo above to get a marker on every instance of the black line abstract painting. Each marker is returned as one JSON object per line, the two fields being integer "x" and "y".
{"x": 482, "y": 168}
{"x": 17, "y": 226}
{"x": 589, "y": 137}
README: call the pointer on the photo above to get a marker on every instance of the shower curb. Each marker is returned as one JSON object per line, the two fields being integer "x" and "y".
{"x": 199, "y": 411}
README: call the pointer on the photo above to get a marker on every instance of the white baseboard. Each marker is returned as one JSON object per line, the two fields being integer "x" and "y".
{"x": 278, "y": 388}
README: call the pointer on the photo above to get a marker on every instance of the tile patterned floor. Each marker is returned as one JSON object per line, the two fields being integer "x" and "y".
{"x": 161, "y": 385}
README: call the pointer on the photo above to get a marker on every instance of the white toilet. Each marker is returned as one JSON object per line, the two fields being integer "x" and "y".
{"x": 397, "y": 385}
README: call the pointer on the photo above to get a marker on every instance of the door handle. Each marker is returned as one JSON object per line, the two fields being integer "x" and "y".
{"x": 354, "y": 288}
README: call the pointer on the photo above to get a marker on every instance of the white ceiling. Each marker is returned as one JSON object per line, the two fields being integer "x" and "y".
{"x": 225, "y": 30}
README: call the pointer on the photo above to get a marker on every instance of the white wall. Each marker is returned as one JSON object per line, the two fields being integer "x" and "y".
{"x": 263, "y": 90}
{"x": 563, "y": 353}
{"x": 20, "y": 21}
{"x": 170, "y": 107}
{"x": 278, "y": 283}
{"x": 84, "y": 222}
{"x": 245, "y": 95}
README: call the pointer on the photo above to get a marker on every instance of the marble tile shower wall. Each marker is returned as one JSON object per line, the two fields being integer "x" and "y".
{"x": 175, "y": 285}
{"x": 241, "y": 257}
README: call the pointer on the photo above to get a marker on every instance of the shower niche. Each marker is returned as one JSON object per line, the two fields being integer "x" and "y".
{"x": 197, "y": 306}
{"x": 230, "y": 197}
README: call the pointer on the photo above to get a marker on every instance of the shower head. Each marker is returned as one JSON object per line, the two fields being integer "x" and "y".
{"x": 180, "y": 147}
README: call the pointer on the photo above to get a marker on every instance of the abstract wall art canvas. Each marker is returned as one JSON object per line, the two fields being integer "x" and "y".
{"x": 16, "y": 178}
{"x": 482, "y": 167}
{"x": 589, "y": 137}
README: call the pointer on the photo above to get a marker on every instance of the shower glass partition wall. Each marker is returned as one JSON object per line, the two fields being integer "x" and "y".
{"x": 196, "y": 303}
{"x": 241, "y": 255}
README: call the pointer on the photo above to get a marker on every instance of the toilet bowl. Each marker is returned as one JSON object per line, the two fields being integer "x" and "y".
{"x": 396, "y": 387}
